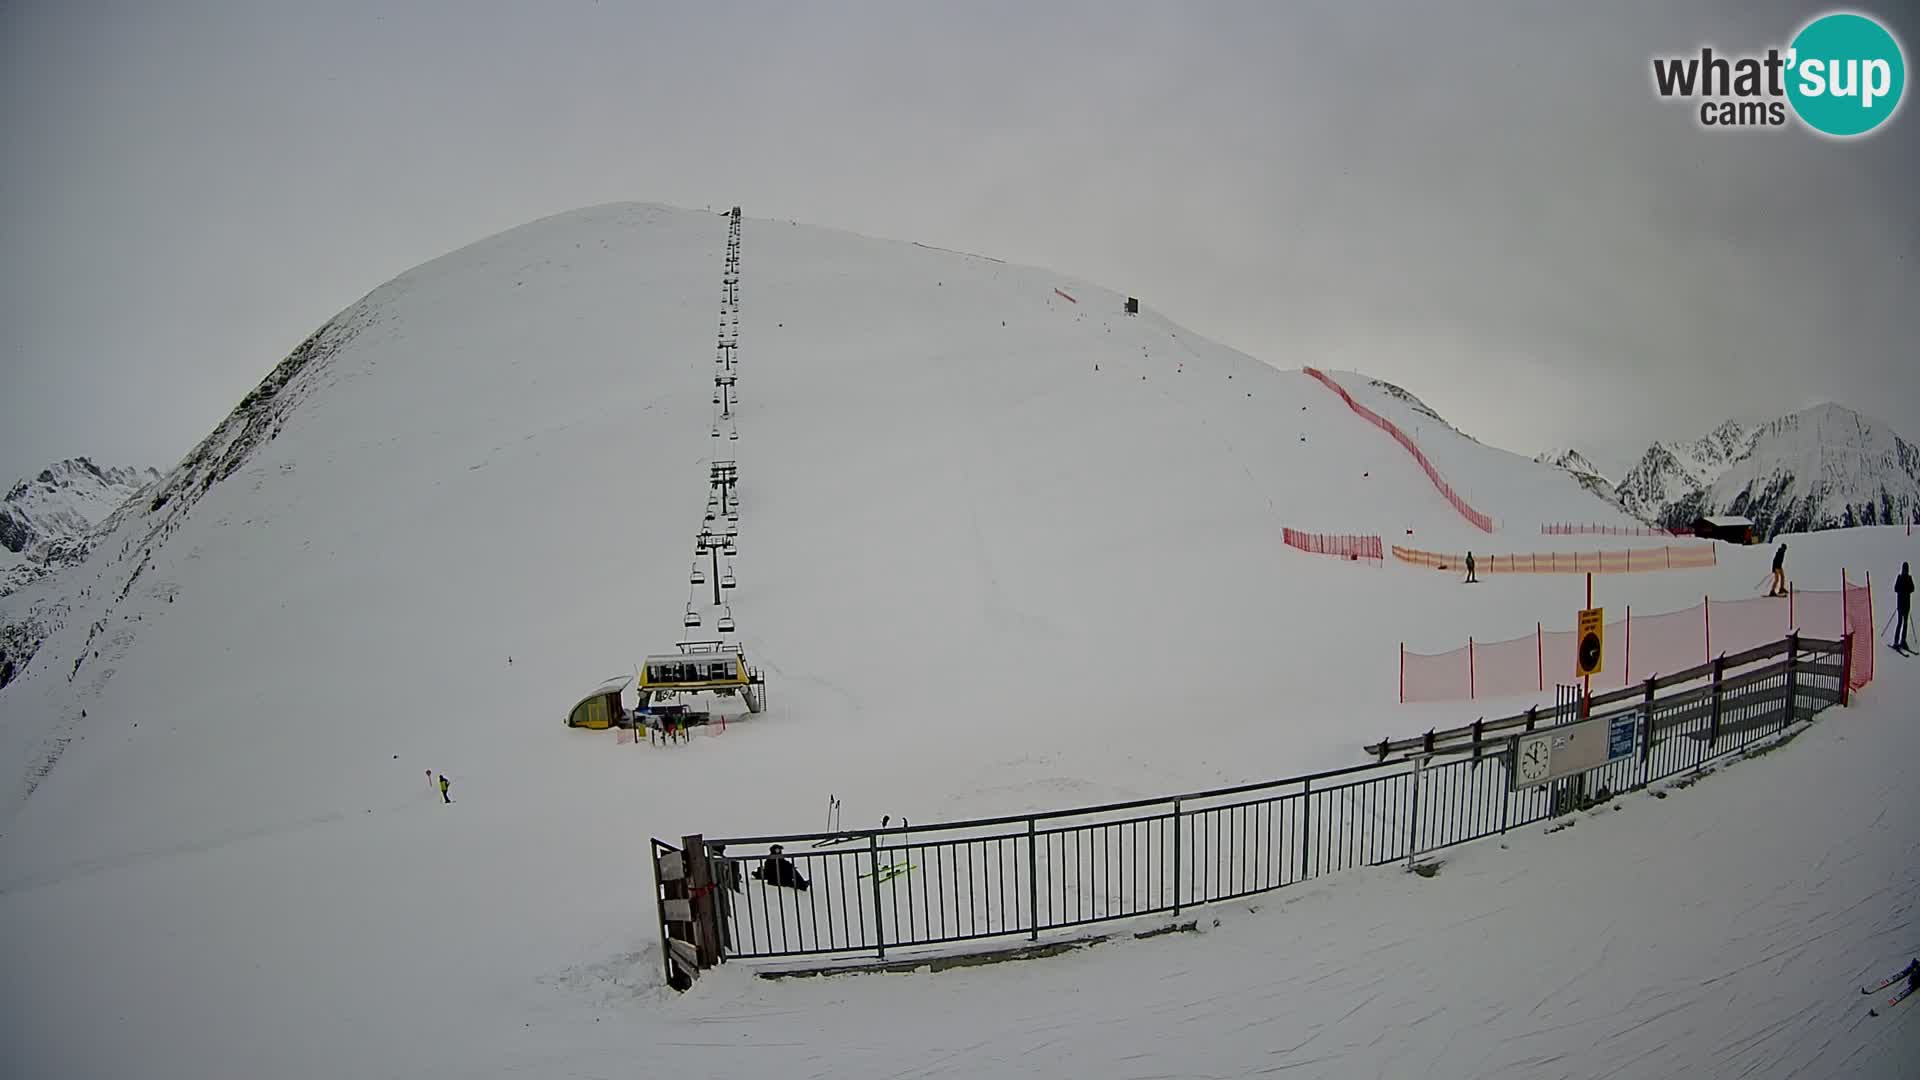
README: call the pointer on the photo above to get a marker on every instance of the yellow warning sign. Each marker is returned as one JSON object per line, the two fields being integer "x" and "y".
{"x": 1590, "y": 655}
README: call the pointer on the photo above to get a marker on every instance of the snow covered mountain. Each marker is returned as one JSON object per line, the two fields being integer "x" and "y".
{"x": 47, "y": 521}
{"x": 1821, "y": 468}
{"x": 1001, "y": 547}
{"x": 1575, "y": 464}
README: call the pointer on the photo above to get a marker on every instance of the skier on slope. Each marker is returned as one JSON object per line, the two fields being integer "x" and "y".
{"x": 1779, "y": 586}
{"x": 444, "y": 785}
{"x": 1470, "y": 577}
{"x": 1902, "y": 607}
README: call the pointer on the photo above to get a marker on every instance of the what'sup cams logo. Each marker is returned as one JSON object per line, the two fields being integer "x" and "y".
{"x": 1842, "y": 75}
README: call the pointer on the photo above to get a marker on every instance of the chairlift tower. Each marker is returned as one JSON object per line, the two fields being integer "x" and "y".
{"x": 713, "y": 545}
{"x": 722, "y": 476}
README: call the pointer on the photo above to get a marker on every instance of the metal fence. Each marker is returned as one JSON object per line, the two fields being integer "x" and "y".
{"x": 864, "y": 891}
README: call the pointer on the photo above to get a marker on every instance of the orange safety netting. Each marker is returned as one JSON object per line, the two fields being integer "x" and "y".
{"x": 1480, "y": 520}
{"x": 1640, "y": 647}
{"x": 1351, "y": 547}
{"x": 1633, "y": 561}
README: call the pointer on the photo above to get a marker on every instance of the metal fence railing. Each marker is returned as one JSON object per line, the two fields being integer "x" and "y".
{"x": 873, "y": 890}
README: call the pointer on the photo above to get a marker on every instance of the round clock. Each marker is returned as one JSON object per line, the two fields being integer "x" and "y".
{"x": 1533, "y": 758}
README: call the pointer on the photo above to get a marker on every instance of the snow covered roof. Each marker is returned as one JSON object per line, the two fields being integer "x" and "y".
{"x": 612, "y": 686}
{"x": 1728, "y": 522}
{"x": 691, "y": 658}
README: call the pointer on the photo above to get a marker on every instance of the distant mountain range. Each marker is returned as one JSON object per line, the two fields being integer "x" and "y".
{"x": 48, "y": 521}
{"x": 1576, "y": 464}
{"x": 1825, "y": 467}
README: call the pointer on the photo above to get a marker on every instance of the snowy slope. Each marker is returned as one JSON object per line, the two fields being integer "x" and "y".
{"x": 1820, "y": 468}
{"x": 1000, "y": 550}
{"x": 45, "y": 521}
{"x": 1519, "y": 494}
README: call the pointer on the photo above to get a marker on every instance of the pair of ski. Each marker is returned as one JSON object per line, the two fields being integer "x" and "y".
{"x": 889, "y": 872}
{"x": 1898, "y": 976}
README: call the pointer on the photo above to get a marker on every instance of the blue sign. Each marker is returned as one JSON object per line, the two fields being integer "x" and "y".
{"x": 1620, "y": 731}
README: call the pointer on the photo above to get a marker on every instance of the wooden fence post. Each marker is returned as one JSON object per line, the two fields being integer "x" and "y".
{"x": 706, "y": 928}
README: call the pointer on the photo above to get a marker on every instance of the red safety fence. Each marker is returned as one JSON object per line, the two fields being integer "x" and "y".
{"x": 1634, "y": 561}
{"x": 1642, "y": 646}
{"x": 1572, "y": 529}
{"x": 1349, "y": 547}
{"x": 1866, "y": 636}
{"x": 1480, "y": 520}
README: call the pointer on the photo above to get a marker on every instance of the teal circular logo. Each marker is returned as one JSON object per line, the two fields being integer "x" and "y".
{"x": 1847, "y": 74}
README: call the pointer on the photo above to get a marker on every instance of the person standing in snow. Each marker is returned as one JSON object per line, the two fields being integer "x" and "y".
{"x": 1470, "y": 577}
{"x": 444, "y": 785}
{"x": 1779, "y": 586}
{"x": 1902, "y": 607}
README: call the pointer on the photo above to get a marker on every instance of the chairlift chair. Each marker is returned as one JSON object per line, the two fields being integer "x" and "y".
{"x": 725, "y": 625}
{"x": 699, "y": 577}
{"x": 728, "y": 548}
{"x": 735, "y": 436}
{"x": 726, "y": 580}
{"x": 692, "y": 619}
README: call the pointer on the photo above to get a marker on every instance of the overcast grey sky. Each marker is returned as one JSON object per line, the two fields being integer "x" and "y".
{"x": 1483, "y": 202}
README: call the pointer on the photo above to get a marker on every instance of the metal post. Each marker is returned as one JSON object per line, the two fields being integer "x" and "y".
{"x": 1846, "y": 661}
{"x": 1506, "y": 796}
{"x": 1306, "y": 825}
{"x": 1176, "y": 856}
{"x": 1646, "y": 722}
{"x": 1713, "y": 724}
{"x": 1413, "y": 813}
{"x": 1793, "y": 679}
{"x": 1033, "y": 882}
{"x": 879, "y": 925}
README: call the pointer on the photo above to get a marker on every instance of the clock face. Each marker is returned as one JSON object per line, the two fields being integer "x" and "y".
{"x": 1533, "y": 760}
